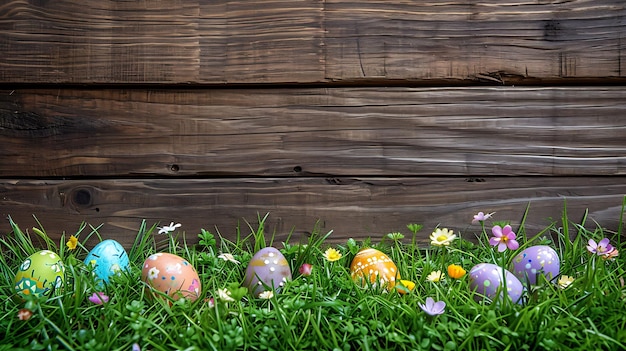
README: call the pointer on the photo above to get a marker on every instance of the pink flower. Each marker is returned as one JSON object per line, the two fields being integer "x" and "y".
{"x": 433, "y": 308}
{"x": 24, "y": 314}
{"x": 99, "y": 298}
{"x": 210, "y": 302}
{"x": 195, "y": 286}
{"x": 481, "y": 217}
{"x": 306, "y": 269}
{"x": 503, "y": 238}
{"x": 601, "y": 248}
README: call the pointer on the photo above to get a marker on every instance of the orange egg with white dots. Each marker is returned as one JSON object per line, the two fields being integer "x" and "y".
{"x": 371, "y": 267}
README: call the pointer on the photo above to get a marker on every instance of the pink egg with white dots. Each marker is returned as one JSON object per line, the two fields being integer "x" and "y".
{"x": 535, "y": 261}
{"x": 488, "y": 280}
{"x": 268, "y": 270}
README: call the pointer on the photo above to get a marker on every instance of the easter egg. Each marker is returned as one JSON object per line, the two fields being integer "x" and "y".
{"x": 172, "y": 275}
{"x": 371, "y": 266}
{"x": 107, "y": 258}
{"x": 486, "y": 280}
{"x": 40, "y": 274}
{"x": 535, "y": 260}
{"x": 268, "y": 269}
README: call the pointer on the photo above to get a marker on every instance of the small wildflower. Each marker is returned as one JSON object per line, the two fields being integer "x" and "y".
{"x": 405, "y": 286}
{"x": 98, "y": 298}
{"x": 72, "y": 242}
{"x": 332, "y": 255}
{"x": 442, "y": 237}
{"x": 395, "y": 236}
{"x": 224, "y": 295}
{"x": 611, "y": 255}
{"x": 168, "y": 228}
{"x": 267, "y": 294}
{"x": 456, "y": 271}
{"x": 433, "y": 308}
{"x": 24, "y": 314}
{"x": 565, "y": 281}
{"x": 435, "y": 276}
{"x": 228, "y": 257}
{"x": 601, "y": 248}
{"x": 481, "y": 217}
{"x": 503, "y": 238}
{"x": 306, "y": 269}
{"x": 136, "y": 347}
{"x": 210, "y": 301}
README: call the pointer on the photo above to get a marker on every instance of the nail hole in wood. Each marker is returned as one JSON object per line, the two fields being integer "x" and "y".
{"x": 297, "y": 169}
{"x": 174, "y": 168}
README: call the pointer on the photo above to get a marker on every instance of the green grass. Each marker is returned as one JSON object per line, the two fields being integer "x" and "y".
{"x": 326, "y": 310}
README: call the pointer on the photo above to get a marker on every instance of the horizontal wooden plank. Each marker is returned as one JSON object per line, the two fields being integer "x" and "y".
{"x": 351, "y": 207}
{"x": 183, "y": 41}
{"x": 309, "y": 41}
{"x": 492, "y": 41}
{"x": 299, "y": 132}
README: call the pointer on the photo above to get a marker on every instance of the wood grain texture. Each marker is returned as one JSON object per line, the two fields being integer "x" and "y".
{"x": 182, "y": 41}
{"x": 351, "y": 207}
{"x": 299, "y": 132}
{"x": 309, "y": 41}
{"x": 497, "y": 41}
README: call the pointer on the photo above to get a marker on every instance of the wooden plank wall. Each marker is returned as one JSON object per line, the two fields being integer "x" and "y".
{"x": 365, "y": 116}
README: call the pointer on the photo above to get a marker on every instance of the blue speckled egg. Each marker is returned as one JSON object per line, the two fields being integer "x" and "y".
{"x": 486, "y": 279}
{"x": 535, "y": 260}
{"x": 40, "y": 274}
{"x": 267, "y": 269}
{"x": 107, "y": 258}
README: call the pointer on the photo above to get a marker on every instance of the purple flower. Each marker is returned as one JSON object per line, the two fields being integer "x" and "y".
{"x": 98, "y": 298}
{"x": 136, "y": 347}
{"x": 433, "y": 308}
{"x": 503, "y": 238}
{"x": 601, "y": 248}
{"x": 481, "y": 217}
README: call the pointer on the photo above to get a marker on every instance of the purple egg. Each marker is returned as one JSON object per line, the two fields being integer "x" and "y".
{"x": 486, "y": 278}
{"x": 535, "y": 260}
{"x": 268, "y": 269}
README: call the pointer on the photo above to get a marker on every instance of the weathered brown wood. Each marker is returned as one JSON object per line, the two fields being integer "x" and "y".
{"x": 492, "y": 41}
{"x": 309, "y": 41}
{"x": 351, "y": 207}
{"x": 183, "y": 41}
{"x": 296, "y": 132}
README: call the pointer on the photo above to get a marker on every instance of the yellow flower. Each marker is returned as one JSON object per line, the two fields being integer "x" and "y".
{"x": 565, "y": 281}
{"x": 332, "y": 255}
{"x": 405, "y": 286}
{"x": 456, "y": 271}
{"x": 72, "y": 242}
{"x": 435, "y": 276}
{"x": 442, "y": 237}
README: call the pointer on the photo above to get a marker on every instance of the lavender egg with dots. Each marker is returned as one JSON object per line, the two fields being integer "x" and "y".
{"x": 268, "y": 269}
{"x": 486, "y": 280}
{"x": 535, "y": 261}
